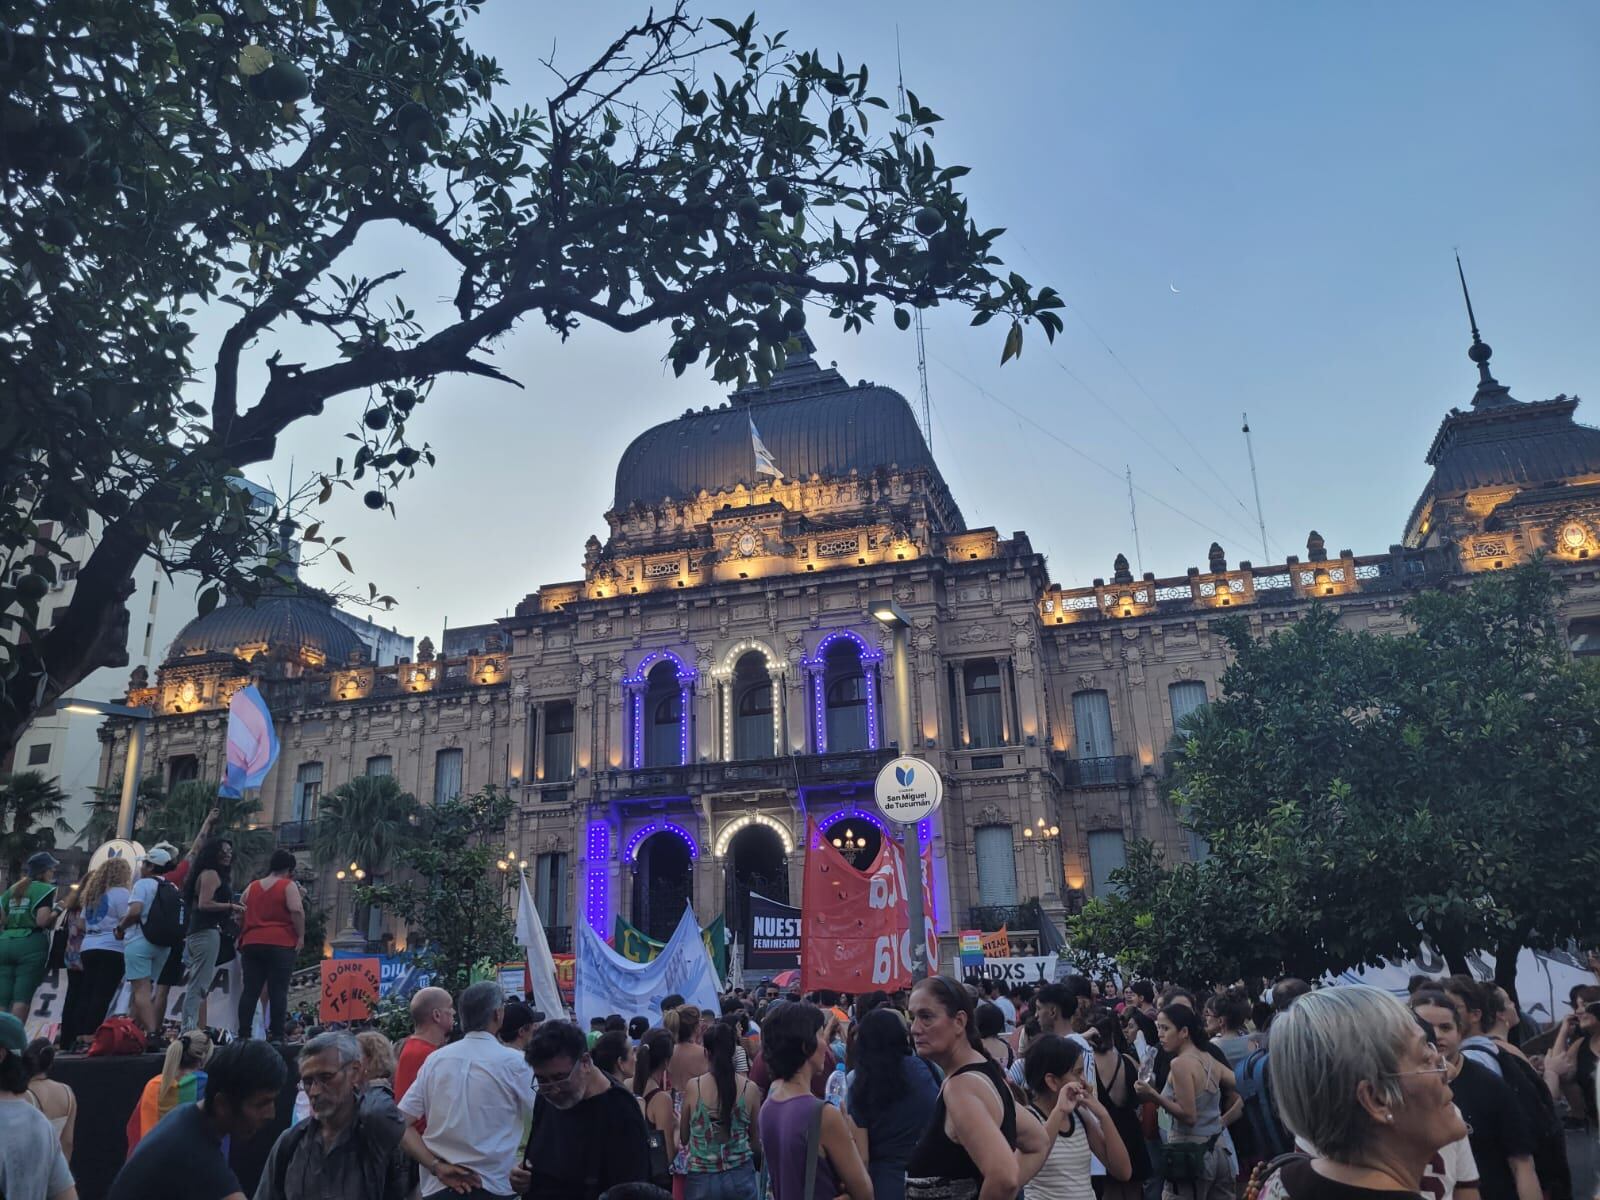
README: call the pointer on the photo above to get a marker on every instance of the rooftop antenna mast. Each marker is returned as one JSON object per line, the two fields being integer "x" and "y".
{"x": 916, "y": 313}
{"x": 1133, "y": 515}
{"x": 1261, "y": 521}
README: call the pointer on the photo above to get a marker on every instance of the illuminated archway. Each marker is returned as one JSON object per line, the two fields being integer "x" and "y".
{"x": 731, "y": 830}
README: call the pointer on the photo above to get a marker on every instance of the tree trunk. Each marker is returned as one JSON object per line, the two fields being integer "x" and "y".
{"x": 1506, "y": 953}
{"x": 1452, "y": 946}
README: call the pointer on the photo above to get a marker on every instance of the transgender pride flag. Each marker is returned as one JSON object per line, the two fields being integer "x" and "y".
{"x": 252, "y": 744}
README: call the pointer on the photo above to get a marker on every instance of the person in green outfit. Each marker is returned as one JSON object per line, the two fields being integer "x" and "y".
{"x": 27, "y": 910}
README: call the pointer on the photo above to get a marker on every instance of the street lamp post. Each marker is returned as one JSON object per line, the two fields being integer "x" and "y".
{"x": 886, "y": 612}
{"x": 138, "y": 715}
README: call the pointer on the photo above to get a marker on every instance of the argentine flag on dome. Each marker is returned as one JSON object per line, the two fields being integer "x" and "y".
{"x": 764, "y": 463}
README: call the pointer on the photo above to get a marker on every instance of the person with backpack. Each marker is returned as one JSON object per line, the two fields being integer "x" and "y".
{"x": 270, "y": 939}
{"x": 150, "y": 928}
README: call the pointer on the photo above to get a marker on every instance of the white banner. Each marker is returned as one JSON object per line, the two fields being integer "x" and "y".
{"x": 1544, "y": 977}
{"x": 546, "y": 995}
{"x": 221, "y": 1008}
{"x": 1033, "y": 971}
{"x": 607, "y": 983}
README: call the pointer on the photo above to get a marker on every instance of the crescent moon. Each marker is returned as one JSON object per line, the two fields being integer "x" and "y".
{"x": 1174, "y": 290}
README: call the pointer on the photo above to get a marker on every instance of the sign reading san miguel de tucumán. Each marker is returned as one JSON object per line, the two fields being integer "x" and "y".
{"x": 772, "y": 935}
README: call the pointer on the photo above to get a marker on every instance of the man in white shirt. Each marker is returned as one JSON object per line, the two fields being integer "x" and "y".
{"x": 1002, "y": 1001}
{"x": 476, "y": 1096}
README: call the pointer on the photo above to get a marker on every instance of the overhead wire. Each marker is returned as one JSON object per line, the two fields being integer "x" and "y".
{"x": 1066, "y": 445}
{"x": 1249, "y": 518}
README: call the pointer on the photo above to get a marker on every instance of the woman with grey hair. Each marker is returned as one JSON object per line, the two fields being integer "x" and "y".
{"x": 1355, "y": 1076}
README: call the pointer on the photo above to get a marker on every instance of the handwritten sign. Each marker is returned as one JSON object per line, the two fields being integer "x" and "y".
{"x": 349, "y": 989}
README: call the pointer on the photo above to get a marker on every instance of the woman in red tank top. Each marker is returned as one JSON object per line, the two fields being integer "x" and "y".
{"x": 271, "y": 934}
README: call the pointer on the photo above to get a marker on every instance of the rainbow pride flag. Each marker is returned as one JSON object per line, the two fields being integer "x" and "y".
{"x": 153, "y": 1105}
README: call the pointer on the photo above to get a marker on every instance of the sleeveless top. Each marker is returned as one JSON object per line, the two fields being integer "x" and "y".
{"x": 215, "y": 918}
{"x": 17, "y": 913}
{"x": 1207, "y": 1108}
{"x": 785, "y": 1133}
{"x": 267, "y": 920}
{"x": 939, "y": 1168}
{"x": 710, "y": 1149}
{"x": 1065, "y": 1173}
{"x": 1125, "y": 1117}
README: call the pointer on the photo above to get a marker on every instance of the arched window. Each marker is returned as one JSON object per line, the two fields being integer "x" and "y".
{"x": 663, "y": 717}
{"x": 845, "y": 698}
{"x": 752, "y": 707}
{"x": 985, "y": 714}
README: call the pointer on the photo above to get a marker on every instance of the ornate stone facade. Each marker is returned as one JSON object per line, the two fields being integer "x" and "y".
{"x": 670, "y": 721}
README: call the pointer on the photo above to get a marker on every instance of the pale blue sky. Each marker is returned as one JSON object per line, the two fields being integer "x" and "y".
{"x": 1298, "y": 172}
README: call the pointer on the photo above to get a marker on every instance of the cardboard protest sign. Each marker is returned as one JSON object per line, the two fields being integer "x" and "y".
{"x": 349, "y": 989}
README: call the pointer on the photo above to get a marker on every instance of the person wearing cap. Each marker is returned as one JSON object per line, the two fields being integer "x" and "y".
{"x": 32, "y": 1166}
{"x": 142, "y": 959}
{"x": 27, "y": 910}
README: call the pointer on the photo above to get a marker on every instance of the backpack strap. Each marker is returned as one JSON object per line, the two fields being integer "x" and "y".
{"x": 1265, "y": 1170}
{"x": 813, "y": 1150}
{"x": 286, "y": 1147}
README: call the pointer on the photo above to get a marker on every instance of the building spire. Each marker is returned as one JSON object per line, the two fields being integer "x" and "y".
{"x": 1490, "y": 390}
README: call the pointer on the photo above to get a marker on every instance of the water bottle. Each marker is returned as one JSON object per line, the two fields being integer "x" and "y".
{"x": 836, "y": 1087}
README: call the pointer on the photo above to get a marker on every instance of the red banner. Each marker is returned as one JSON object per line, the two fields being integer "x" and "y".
{"x": 856, "y": 926}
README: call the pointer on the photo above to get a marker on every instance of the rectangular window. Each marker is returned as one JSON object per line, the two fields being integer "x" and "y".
{"x": 182, "y": 768}
{"x": 1107, "y": 853}
{"x": 380, "y": 764}
{"x": 38, "y": 754}
{"x": 985, "y": 713}
{"x": 557, "y": 743}
{"x": 997, "y": 865}
{"x": 307, "y": 790}
{"x": 1183, "y": 698}
{"x": 550, "y": 889}
{"x": 446, "y": 775}
{"x": 1091, "y": 716}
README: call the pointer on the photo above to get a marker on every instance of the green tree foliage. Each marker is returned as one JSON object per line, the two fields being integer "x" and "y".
{"x": 451, "y": 897}
{"x": 366, "y": 820}
{"x": 166, "y": 155}
{"x": 30, "y": 817}
{"x": 316, "y": 934}
{"x": 1357, "y": 791}
{"x": 101, "y": 825}
{"x": 176, "y": 817}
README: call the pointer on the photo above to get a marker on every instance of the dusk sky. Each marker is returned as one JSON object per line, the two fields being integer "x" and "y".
{"x": 1247, "y": 207}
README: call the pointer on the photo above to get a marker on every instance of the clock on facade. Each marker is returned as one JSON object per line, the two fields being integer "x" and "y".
{"x": 1573, "y": 536}
{"x": 748, "y": 543}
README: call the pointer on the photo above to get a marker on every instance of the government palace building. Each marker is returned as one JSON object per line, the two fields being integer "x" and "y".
{"x": 668, "y": 722}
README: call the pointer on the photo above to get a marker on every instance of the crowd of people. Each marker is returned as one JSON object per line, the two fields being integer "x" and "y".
{"x": 946, "y": 1092}
{"x": 951, "y": 1091}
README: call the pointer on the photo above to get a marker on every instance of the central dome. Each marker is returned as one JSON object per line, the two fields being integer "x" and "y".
{"x": 289, "y": 623}
{"x": 810, "y": 420}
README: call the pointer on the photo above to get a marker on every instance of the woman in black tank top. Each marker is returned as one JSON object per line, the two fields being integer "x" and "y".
{"x": 970, "y": 1148}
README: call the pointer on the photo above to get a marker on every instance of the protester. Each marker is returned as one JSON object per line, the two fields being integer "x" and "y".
{"x": 970, "y": 1141}
{"x": 377, "y": 1061}
{"x": 1476, "y": 1006}
{"x": 615, "y": 1056}
{"x": 588, "y": 1134}
{"x": 183, "y": 1155}
{"x": 474, "y": 1097}
{"x": 1063, "y": 1009}
{"x": 172, "y": 975}
{"x": 761, "y": 1075}
{"x": 56, "y": 1100}
{"x": 1356, "y": 1078}
{"x": 1197, "y": 1092}
{"x": 1227, "y": 1018}
{"x": 27, "y": 911}
{"x": 1569, "y": 1074}
{"x": 182, "y": 1080}
{"x": 689, "y": 1056}
{"x": 1501, "y": 1134}
{"x": 349, "y": 1145}
{"x": 652, "y": 1087}
{"x": 209, "y": 899}
{"x": 1076, "y": 1124}
{"x": 143, "y": 960}
{"x": 271, "y": 936}
{"x": 803, "y": 1136}
{"x": 991, "y": 1032}
{"x": 1115, "y": 1073}
{"x": 101, "y": 901}
{"x": 891, "y": 1100}
{"x": 518, "y": 1028}
{"x": 32, "y": 1163}
{"x": 718, "y": 1125}
{"x": 432, "y": 1017}
{"x": 637, "y": 1028}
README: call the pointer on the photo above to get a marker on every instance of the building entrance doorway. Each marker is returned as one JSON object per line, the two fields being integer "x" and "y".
{"x": 663, "y": 882}
{"x": 756, "y": 863}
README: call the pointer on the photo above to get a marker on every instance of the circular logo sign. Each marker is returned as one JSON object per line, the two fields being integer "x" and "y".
{"x": 117, "y": 848}
{"x": 908, "y": 789}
